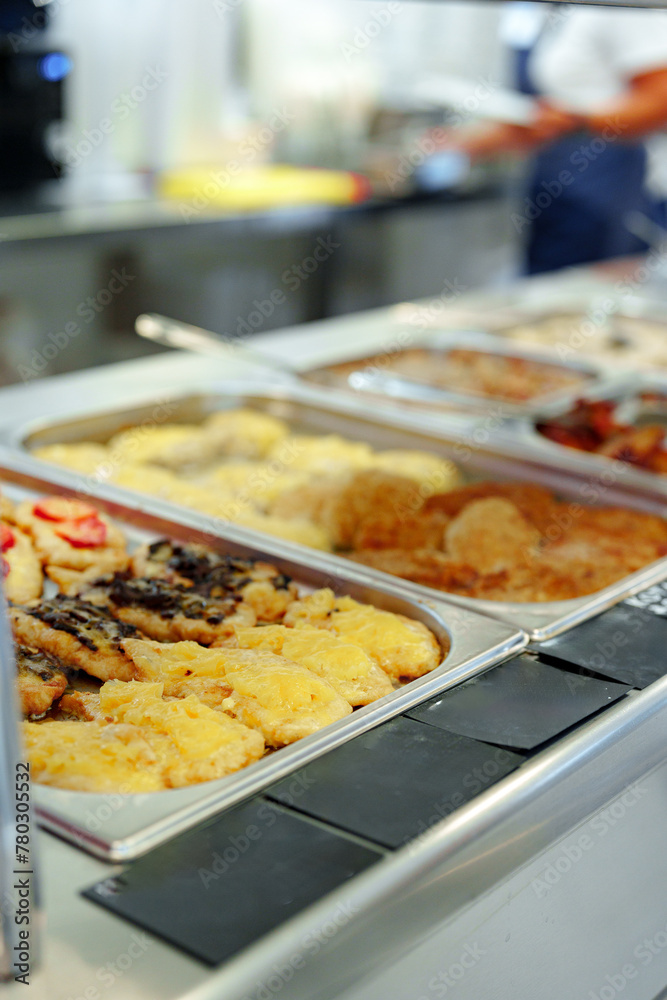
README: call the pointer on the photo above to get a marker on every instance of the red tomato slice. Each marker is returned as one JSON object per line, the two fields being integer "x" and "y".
{"x": 7, "y": 538}
{"x": 88, "y": 533}
{"x": 62, "y": 509}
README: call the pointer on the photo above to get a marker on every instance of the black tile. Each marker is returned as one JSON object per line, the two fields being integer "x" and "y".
{"x": 395, "y": 781}
{"x": 519, "y": 704}
{"x": 215, "y": 890}
{"x": 625, "y": 643}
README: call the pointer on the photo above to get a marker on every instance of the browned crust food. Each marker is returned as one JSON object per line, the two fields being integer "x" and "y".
{"x": 482, "y": 373}
{"x": 537, "y": 504}
{"x": 168, "y": 611}
{"x": 510, "y": 542}
{"x": 79, "y": 634}
{"x": 40, "y": 678}
{"x": 23, "y": 570}
{"x": 218, "y": 576}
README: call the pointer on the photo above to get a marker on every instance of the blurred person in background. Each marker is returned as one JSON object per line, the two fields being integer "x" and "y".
{"x": 599, "y": 78}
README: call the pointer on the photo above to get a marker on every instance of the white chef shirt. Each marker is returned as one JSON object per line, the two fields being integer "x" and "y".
{"x": 585, "y": 57}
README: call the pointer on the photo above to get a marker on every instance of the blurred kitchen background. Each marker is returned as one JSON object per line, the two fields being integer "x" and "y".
{"x": 144, "y": 155}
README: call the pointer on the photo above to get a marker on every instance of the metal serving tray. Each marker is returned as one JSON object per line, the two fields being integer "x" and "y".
{"x": 474, "y": 449}
{"x": 121, "y": 827}
{"x": 634, "y": 478}
{"x": 379, "y": 381}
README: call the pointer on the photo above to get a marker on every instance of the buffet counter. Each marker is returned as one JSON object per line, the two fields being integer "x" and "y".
{"x": 533, "y": 875}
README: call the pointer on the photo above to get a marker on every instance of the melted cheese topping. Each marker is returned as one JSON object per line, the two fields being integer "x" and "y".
{"x": 346, "y": 666}
{"x": 151, "y": 744}
{"x": 434, "y": 474}
{"x": 264, "y": 463}
{"x": 323, "y": 455}
{"x": 24, "y": 581}
{"x": 284, "y": 700}
{"x": 403, "y": 648}
{"x": 244, "y": 432}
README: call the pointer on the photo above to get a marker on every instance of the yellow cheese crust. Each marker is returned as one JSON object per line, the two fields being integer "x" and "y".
{"x": 402, "y": 647}
{"x": 152, "y": 744}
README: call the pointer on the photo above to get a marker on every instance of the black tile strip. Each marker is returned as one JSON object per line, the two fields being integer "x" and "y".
{"x": 393, "y": 783}
{"x": 214, "y": 890}
{"x": 519, "y": 704}
{"x": 626, "y": 644}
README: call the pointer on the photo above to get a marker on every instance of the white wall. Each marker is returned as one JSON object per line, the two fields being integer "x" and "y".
{"x": 115, "y": 43}
{"x": 307, "y": 55}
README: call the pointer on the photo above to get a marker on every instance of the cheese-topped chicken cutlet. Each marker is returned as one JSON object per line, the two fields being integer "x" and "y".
{"x": 282, "y": 699}
{"x": 403, "y": 648}
{"x": 346, "y": 666}
{"x": 86, "y": 457}
{"x": 77, "y": 633}
{"x": 244, "y": 433}
{"x": 168, "y": 611}
{"x": 171, "y": 446}
{"x": 151, "y": 743}
{"x": 218, "y": 576}
{"x": 21, "y": 567}
{"x": 41, "y": 680}
{"x": 72, "y": 539}
{"x": 182, "y": 667}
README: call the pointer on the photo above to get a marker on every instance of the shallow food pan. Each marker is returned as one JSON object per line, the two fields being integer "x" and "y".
{"x": 633, "y": 408}
{"x": 119, "y": 827}
{"x": 406, "y": 370}
{"x": 475, "y": 451}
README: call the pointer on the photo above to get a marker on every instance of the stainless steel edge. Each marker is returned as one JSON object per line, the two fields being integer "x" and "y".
{"x": 123, "y": 827}
{"x": 603, "y": 379}
{"x": 18, "y": 435}
{"x": 19, "y": 915}
{"x": 458, "y": 860}
{"x": 474, "y": 449}
{"x": 458, "y": 437}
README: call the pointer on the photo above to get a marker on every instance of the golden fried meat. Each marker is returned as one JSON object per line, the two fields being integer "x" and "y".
{"x": 491, "y": 535}
{"x": 217, "y": 576}
{"x": 79, "y": 634}
{"x": 402, "y": 647}
{"x": 169, "y": 612}
{"x": 387, "y": 530}
{"x": 41, "y": 680}
{"x": 152, "y": 744}
{"x": 22, "y": 567}
{"x": 346, "y": 666}
{"x": 537, "y": 504}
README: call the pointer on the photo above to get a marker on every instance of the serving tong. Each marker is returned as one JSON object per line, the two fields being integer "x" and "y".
{"x": 161, "y": 330}
{"x": 639, "y": 412}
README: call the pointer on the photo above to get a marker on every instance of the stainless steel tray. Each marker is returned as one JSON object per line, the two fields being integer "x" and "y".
{"x": 121, "y": 827}
{"x": 634, "y": 478}
{"x": 386, "y": 382}
{"x": 475, "y": 449}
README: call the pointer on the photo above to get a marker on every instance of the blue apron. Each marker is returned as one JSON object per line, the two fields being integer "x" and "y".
{"x": 585, "y": 221}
